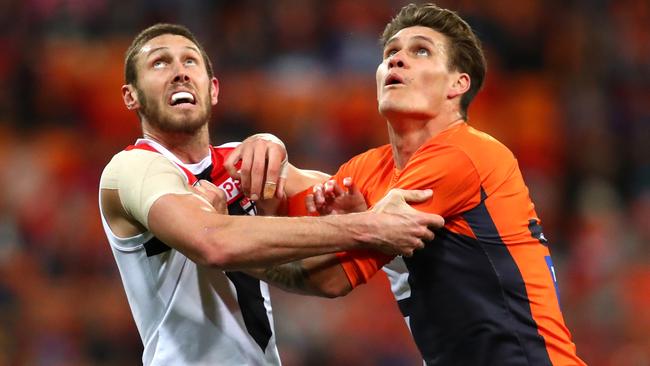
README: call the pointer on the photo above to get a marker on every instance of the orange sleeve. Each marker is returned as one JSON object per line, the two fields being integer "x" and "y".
{"x": 296, "y": 204}
{"x": 361, "y": 265}
{"x": 452, "y": 176}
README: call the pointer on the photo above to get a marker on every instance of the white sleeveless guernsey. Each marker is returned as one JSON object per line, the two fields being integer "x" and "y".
{"x": 189, "y": 314}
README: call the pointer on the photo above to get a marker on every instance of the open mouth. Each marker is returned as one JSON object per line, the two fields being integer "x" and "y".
{"x": 182, "y": 97}
{"x": 393, "y": 80}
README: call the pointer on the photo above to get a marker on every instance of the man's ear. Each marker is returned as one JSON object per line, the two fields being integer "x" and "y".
{"x": 130, "y": 97}
{"x": 214, "y": 91}
{"x": 460, "y": 86}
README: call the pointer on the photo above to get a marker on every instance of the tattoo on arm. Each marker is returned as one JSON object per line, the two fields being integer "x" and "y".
{"x": 289, "y": 276}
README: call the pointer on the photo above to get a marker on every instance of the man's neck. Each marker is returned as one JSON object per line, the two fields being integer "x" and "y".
{"x": 406, "y": 134}
{"x": 189, "y": 148}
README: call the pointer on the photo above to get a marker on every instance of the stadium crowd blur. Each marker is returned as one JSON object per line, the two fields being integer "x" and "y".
{"x": 568, "y": 90}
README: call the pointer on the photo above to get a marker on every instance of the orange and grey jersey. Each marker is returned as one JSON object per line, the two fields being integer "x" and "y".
{"x": 186, "y": 314}
{"x": 484, "y": 291}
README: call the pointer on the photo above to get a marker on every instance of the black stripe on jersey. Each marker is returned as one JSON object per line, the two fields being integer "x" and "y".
{"x": 205, "y": 174}
{"x": 154, "y": 247}
{"x": 251, "y": 302}
{"x": 404, "y": 306}
{"x": 468, "y": 303}
{"x": 456, "y": 309}
{"x": 512, "y": 285}
{"x": 249, "y": 295}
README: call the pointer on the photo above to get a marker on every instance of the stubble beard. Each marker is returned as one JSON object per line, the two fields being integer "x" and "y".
{"x": 153, "y": 113}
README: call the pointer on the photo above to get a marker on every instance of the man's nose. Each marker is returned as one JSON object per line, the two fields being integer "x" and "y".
{"x": 181, "y": 74}
{"x": 181, "y": 77}
{"x": 396, "y": 60}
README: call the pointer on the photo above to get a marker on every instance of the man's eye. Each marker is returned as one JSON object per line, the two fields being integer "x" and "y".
{"x": 159, "y": 64}
{"x": 391, "y": 52}
{"x": 190, "y": 61}
{"x": 422, "y": 52}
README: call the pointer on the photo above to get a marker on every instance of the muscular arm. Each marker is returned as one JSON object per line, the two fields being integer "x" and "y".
{"x": 320, "y": 276}
{"x": 236, "y": 242}
{"x": 190, "y": 224}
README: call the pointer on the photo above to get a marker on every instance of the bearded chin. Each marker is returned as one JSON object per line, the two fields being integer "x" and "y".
{"x": 167, "y": 122}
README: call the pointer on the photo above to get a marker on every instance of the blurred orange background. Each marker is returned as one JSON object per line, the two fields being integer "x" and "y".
{"x": 567, "y": 89}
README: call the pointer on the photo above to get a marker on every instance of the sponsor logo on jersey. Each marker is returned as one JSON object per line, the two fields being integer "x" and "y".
{"x": 231, "y": 188}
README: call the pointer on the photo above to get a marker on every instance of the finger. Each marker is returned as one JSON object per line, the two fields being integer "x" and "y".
{"x": 206, "y": 184}
{"x": 428, "y": 235}
{"x": 231, "y": 162}
{"x": 221, "y": 194}
{"x": 433, "y": 221}
{"x": 319, "y": 197}
{"x": 351, "y": 187}
{"x": 273, "y": 167}
{"x": 199, "y": 190}
{"x": 329, "y": 186}
{"x": 257, "y": 172}
{"x": 205, "y": 189}
{"x": 284, "y": 167}
{"x": 269, "y": 190}
{"x": 220, "y": 202}
{"x": 330, "y": 191}
{"x": 281, "y": 183}
{"x": 245, "y": 170}
{"x": 407, "y": 253}
{"x": 337, "y": 189}
{"x": 415, "y": 196}
{"x": 310, "y": 204}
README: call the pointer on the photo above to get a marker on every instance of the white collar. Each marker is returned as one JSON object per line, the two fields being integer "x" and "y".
{"x": 195, "y": 168}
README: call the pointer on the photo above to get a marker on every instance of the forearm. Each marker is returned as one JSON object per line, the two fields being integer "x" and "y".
{"x": 193, "y": 227}
{"x": 300, "y": 179}
{"x": 245, "y": 242}
{"x": 318, "y": 276}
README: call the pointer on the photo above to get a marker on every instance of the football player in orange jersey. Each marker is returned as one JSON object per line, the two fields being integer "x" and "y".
{"x": 484, "y": 291}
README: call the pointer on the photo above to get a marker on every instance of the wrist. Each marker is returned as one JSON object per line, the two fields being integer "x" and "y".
{"x": 362, "y": 228}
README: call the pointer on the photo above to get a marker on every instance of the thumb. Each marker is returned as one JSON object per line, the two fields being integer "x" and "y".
{"x": 415, "y": 196}
{"x": 221, "y": 194}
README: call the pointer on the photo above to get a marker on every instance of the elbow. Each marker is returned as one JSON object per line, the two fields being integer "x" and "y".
{"x": 214, "y": 253}
{"x": 334, "y": 289}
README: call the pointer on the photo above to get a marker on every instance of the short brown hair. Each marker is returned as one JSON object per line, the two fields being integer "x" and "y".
{"x": 130, "y": 71}
{"x": 464, "y": 48}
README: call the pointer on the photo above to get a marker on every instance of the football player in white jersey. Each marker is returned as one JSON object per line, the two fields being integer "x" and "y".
{"x": 177, "y": 254}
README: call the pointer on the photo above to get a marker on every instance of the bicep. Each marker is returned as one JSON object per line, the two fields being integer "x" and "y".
{"x": 326, "y": 275}
{"x": 183, "y": 221}
{"x": 321, "y": 275}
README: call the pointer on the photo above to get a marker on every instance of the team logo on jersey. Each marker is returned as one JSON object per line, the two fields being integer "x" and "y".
{"x": 536, "y": 231}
